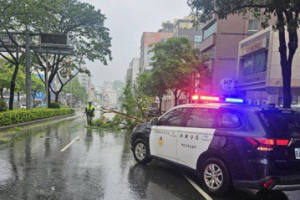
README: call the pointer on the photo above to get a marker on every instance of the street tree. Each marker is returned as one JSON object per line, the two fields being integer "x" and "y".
{"x": 16, "y": 17}
{"x": 5, "y": 76}
{"x": 175, "y": 61}
{"x": 143, "y": 93}
{"x": 129, "y": 104}
{"x": 285, "y": 11}
{"x": 157, "y": 86}
{"x": 89, "y": 37}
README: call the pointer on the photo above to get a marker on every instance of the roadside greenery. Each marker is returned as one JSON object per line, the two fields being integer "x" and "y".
{"x": 3, "y": 105}
{"x": 22, "y": 115}
{"x": 287, "y": 18}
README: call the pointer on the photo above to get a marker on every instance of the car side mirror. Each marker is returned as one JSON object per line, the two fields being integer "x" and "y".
{"x": 154, "y": 122}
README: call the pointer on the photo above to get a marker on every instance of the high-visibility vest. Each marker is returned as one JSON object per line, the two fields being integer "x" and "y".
{"x": 89, "y": 108}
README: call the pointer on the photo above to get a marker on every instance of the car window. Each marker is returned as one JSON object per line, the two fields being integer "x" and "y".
{"x": 282, "y": 123}
{"x": 174, "y": 117}
{"x": 202, "y": 118}
{"x": 229, "y": 120}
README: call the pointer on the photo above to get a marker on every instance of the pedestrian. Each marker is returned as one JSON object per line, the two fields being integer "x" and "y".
{"x": 90, "y": 113}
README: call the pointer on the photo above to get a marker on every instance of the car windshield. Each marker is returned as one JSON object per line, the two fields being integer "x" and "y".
{"x": 282, "y": 123}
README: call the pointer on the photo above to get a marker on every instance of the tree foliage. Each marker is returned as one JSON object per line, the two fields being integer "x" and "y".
{"x": 16, "y": 17}
{"x": 173, "y": 63}
{"x": 89, "y": 37}
{"x": 285, "y": 11}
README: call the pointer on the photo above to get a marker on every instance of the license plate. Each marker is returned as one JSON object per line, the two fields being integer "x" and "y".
{"x": 297, "y": 153}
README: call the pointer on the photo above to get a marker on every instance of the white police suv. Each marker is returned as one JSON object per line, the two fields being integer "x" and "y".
{"x": 227, "y": 145}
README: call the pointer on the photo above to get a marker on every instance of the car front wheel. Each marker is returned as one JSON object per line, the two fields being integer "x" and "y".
{"x": 141, "y": 152}
{"x": 214, "y": 176}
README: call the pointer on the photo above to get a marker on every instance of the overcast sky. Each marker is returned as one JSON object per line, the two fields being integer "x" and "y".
{"x": 127, "y": 20}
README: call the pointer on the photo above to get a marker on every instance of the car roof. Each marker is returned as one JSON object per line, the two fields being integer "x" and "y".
{"x": 220, "y": 105}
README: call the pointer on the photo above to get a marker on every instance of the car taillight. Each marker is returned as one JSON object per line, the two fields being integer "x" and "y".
{"x": 264, "y": 144}
{"x": 269, "y": 183}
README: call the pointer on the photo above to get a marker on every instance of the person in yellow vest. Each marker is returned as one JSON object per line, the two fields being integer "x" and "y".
{"x": 90, "y": 113}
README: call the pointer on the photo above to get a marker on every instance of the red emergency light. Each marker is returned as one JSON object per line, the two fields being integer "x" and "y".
{"x": 209, "y": 98}
{"x": 195, "y": 97}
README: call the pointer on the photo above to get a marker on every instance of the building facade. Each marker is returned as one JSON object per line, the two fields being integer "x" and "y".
{"x": 148, "y": 39}
{"x": 221, "y": 43}
{"x": 135, "y": 66}
{"x": 259, "y": 69}
{"x": 185, "y": 28}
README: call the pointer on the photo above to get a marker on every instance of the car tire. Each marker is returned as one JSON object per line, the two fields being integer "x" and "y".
{"x": 214, "y": 177}
{"x": 141, "y": 152}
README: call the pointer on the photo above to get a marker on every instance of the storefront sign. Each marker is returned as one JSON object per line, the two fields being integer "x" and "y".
{"x": 255, "y": 46}
{"x": 261, "y": 77}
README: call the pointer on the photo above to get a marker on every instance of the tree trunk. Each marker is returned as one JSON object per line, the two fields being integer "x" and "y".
{"x": 49, "y": 96}
{"x": 286, "y": 60}
{"x": 176, "y": 97}
{"x": 12, "y": 87}
{"x": 1, "y": 93}
{"x": 18, "y": 96}
{"x": 160, "y": 103}
{"x": 57, "y": 96}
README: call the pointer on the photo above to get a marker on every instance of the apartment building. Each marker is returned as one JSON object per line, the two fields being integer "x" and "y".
{"x": 221, "y": 42}
{"x": 259, "y": 70}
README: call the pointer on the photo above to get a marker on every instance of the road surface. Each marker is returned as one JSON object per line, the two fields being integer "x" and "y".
{"x": 66, "y": 161}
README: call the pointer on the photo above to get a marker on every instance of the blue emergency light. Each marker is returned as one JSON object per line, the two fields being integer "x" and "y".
{"x": 234, "y": 100}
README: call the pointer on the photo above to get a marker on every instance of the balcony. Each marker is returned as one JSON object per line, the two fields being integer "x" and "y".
{"x": 208, "y": 42}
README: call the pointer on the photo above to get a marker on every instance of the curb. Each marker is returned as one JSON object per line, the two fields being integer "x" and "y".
{"x": 4, "y": 128}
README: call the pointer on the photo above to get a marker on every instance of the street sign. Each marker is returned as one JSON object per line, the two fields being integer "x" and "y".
{"x": 53, "y": 39}
{"x": 227, "y": 84}
{"x": 53, "y": 43}
{"x": 10, "y": 46}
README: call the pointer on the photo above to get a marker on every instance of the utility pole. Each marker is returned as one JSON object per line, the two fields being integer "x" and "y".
{"x": 47, "y": 85}
{"x": 27, "y": 69}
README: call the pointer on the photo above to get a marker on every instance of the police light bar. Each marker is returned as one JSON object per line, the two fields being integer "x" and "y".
{"x": 209, "y": 98}
{"x": 195, "y": 97}
{"x": 234, "y": 100}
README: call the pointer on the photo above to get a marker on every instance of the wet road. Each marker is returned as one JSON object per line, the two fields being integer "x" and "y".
{"x": 98, "y": 165}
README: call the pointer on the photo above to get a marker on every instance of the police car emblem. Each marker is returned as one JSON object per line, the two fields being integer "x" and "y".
{"x": 160, "y": 142}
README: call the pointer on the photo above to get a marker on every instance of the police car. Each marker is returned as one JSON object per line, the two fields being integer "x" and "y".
{"x": 227, "y": 145}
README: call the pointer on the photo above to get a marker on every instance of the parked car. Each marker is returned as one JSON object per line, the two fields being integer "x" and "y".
{"x": 153, "y": 112}
{"x": 226, "y": 145}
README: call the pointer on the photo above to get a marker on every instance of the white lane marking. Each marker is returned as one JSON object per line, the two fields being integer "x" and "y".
{"x": 204, "y": 194}
{"x": 65, "y": 148}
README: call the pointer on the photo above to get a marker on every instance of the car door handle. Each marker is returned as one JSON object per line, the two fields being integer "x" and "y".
{"x": 205, "y": 138}
{"x": 173, "y": 135}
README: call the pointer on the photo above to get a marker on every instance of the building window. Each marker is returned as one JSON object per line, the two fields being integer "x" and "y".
{"x": 248, "y": 65}
{"x": 260, "y": 62}
{"x": 255, "y": 63}
{"x": 253, "y": 25}
{"x": 198, "y": 38}
{"x": 211, "y": 30}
